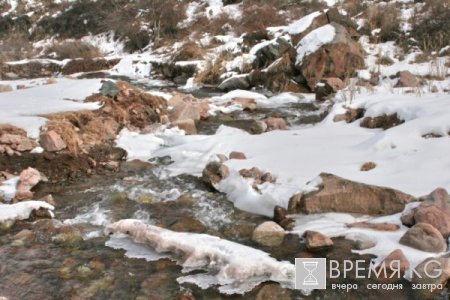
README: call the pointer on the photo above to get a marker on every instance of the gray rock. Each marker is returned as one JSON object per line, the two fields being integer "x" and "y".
{"x": 109, "y": 89}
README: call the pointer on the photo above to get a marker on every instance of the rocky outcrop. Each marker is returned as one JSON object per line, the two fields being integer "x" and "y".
{"x": 269, "y": 234}
{"x": 336, "y": 194}
{"x": 340, "y": 58}
{"x": 424, "y": 237}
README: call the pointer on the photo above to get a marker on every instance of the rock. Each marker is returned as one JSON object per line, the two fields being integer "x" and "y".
{"x": 424, "y": 237}
{"x": 187, "y": 125}
{"x": 24, "y": 234}
{"x": 375, "y": 226}
{"x": 434, "y": 216}
{"x": 183, "y": 108}
{"x": 363, "y": 245}
{"x": 28, "y": 179}
{"x": 394, "y": 262}
{"x": 189, "y": 224}
{"x": 406, "y": 79}
{"x": 267, "y": 177}
{"x": 429, "y": 268}
{"x": 276, "y": 124}
{"x": 88, "y": 65}
{"x": 237, "y": 155}
{"x": 269, "y": 234}
{"x": 17, "y": 142}
{"x": 279, "y": 214}
{"x": 315, "y": 241}
{"x": 368, "y": 166}
{"x": 5, "y": 88}
{"x": 273, "y": 291}
{"x": 383, "y": 121}
{"x": 52, "y": 141}
{"x": 270, "y": 52}
{"x": 49, "y": 199}
{"x": 109, "y": 89}
{"x": 214, "y": 172}
{"x": 339, "y": 59}
{"x": 327, "y": 87}
{"x": 336, "y": 194}
{"x": 246, "y": 103}
{"x": 258, "y": 127}
{"x": 235, "y": 83}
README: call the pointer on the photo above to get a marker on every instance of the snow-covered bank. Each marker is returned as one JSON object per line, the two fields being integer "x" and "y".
{"x": 23, "y": 108}
{"x": 235, "y": 268}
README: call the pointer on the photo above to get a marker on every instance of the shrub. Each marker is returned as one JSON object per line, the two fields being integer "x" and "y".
{"x": 73, "y": 49}
{"x": 385, "y": 17}
{"x": 431, "y": 25}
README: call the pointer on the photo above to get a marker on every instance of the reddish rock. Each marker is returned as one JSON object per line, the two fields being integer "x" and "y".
{"x": 432, "y": 266}
{"x": 279, "y": 214}
{"x": 383, "y": 121}
{"x": 406, "y": 79}
{"x": 375, "y": 226}
{"x": 424, "y": 237}
{"x": 187, "y": 125}
{"x": 5, "y": 88}
{"x": 28, "y": 179}
{"x": 315, "y": 241}
{"x": 340, "y": 59}
{"x": 434, "y": 216}
{"x": 17, "y": 142}
{"x": 52, "y": 141}
{"x": 368, "y": 166}
{"x": 276, "y": 124}
{"x": 237, "y": 155}
{"x": 351, "y": 115}
{"x": 246, "y": 103}
{"x": 327, "y": 87}
{"x": 336, "y": 194}
{"x": 394, "y": 262}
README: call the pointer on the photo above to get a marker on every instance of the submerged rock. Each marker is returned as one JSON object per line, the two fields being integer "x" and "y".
{"x": 269, "y": 234}
{"x": 336, "y": 194}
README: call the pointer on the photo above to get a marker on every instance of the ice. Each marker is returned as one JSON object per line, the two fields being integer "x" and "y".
{"x": 234, "y": 268}
{"x": 21, "y": 210}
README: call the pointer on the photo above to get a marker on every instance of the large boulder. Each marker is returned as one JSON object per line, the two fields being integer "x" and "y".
{"x": 340, "y": 57}
{"x": 336, "y": 194}
{"x": 424, "y": 237}
{"x": 269, "y": 234}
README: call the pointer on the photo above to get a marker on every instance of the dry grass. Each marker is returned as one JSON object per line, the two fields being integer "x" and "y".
{"x": 73, "y": 49}
{"x": 385, "y": 17}
{"x": 189, "y": 51}
{"x": 15, "y": 46}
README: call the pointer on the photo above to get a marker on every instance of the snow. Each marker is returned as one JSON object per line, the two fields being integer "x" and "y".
{"x": 106, "y": 43}
{"x": 301, "y": 25}
{"x": 296, "y": 156}
{"x": 24, "y": 108}
{"x": 21, "y": 210}
{"x": 234, "y": 268}
{"x": 314, "y": 40}
{"x": 134, "y": 66}
{"x": 8, "y": 188}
